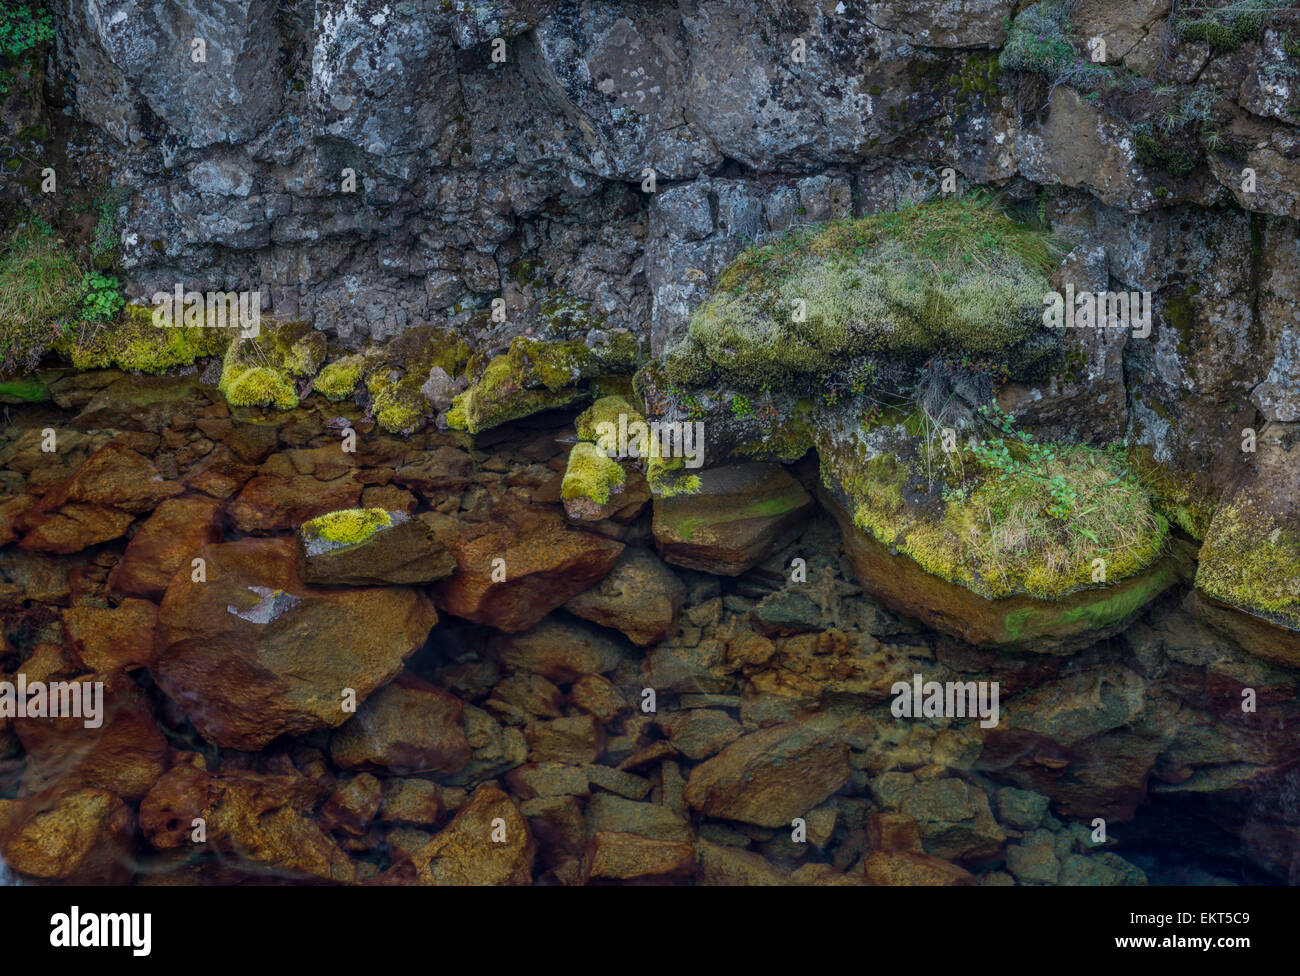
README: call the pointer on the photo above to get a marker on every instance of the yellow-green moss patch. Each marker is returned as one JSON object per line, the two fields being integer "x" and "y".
{"x": 348, "y": 526}
{"x": 999, "y": 531}
{"x": 606, "y": 410}
{"x": 591, "y": 475}
{"x": 534, "y": 375}
{"x": 1251, "y": 561}
{"x": 339, "y": 379}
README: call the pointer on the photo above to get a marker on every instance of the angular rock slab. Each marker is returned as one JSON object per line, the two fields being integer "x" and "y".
{"x": 543, "y": 563}
{"x": 741, "y": 513}
{"x": 255, "y": 653}
{"x": 413, "y": 550}
{"x": 1023, "y": 622}
{"x": 773, "y": 775}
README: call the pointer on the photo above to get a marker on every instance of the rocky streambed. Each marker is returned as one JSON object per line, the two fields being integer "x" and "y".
{"x": 332, "y": 654}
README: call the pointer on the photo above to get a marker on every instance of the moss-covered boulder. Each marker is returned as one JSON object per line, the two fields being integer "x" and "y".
{"x": 955, "y": 276}
{"x": 1248, "y": 579}
{"x": 535, "y": 375}
{"x": 135, "y": 343}
{"x": 1001, "y": 540}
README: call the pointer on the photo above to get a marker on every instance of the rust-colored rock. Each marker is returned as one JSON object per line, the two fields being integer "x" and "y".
{"x": 773, "y": 775}
{"x": 168, "y": 539}
{"x": 912, "y": 870}
{"x": 543, "y": 564}
{"x": 73, "y": 527}
{"x": 71, "y": 834}
{"x": 124, "y": 754}
{"x": 261, "y": 818}
{"x": 100, "y": 639}
{"x": 409, "y": 726}
{"x": 118, "y": 477}
{"x": 255, "y": 653}
{"x": 488, "y": 843}
{"x": 622, "y": 857}
{"x": 272, "y": 503}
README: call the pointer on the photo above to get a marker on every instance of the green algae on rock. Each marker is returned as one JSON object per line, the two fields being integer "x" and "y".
{"x": 953, "y": 276}
{"x": 733, "y": 520}
{"x": 535, "y": 375}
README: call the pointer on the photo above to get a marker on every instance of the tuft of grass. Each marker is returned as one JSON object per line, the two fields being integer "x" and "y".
{"x": 1039, "y": 42}
{"x": 1228, "y": 27}
{"x": 40, "y": 288}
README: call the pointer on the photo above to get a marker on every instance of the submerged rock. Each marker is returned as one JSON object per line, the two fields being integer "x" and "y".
{"x": 739, "y": 515}
{"x": 263, "y": 818}
{"x": 255, "y": 652}
{"x": 526, "y": 562}
{"x": 375, "y": 547}
{"x": 1248, "y": 578}
{"x": 771, "y": 776}
{"x": 640, "y": 597}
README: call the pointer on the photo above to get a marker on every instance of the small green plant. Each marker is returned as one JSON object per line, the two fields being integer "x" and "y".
{"x": 740, "y": 406}
{"x": 104, "y": 244}
{"x": 22, "y": 30}
{"x": 101, "y": 298}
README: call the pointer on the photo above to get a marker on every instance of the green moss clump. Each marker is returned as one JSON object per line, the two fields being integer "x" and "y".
{"x": 1230, "y": 28}
{"x": 257, "y": 386}
{"x": 956, "y": 276}
{"x": 1002, "y": 530}
{"x": 602, "y": 411}
{"x": 1177, "y": 156}
{"x": 135, "y": 344}
{"x": 259, "y": 371}
{"x": 535, "y": 375}
{"x": 591, "y": 475}
{"x": 667, "y": 479}
{"x": 1250, "y": 561}
{"x": 339, "y": 379}
{"x": 348, "y": 526}
{"x": 395, "y": 376}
